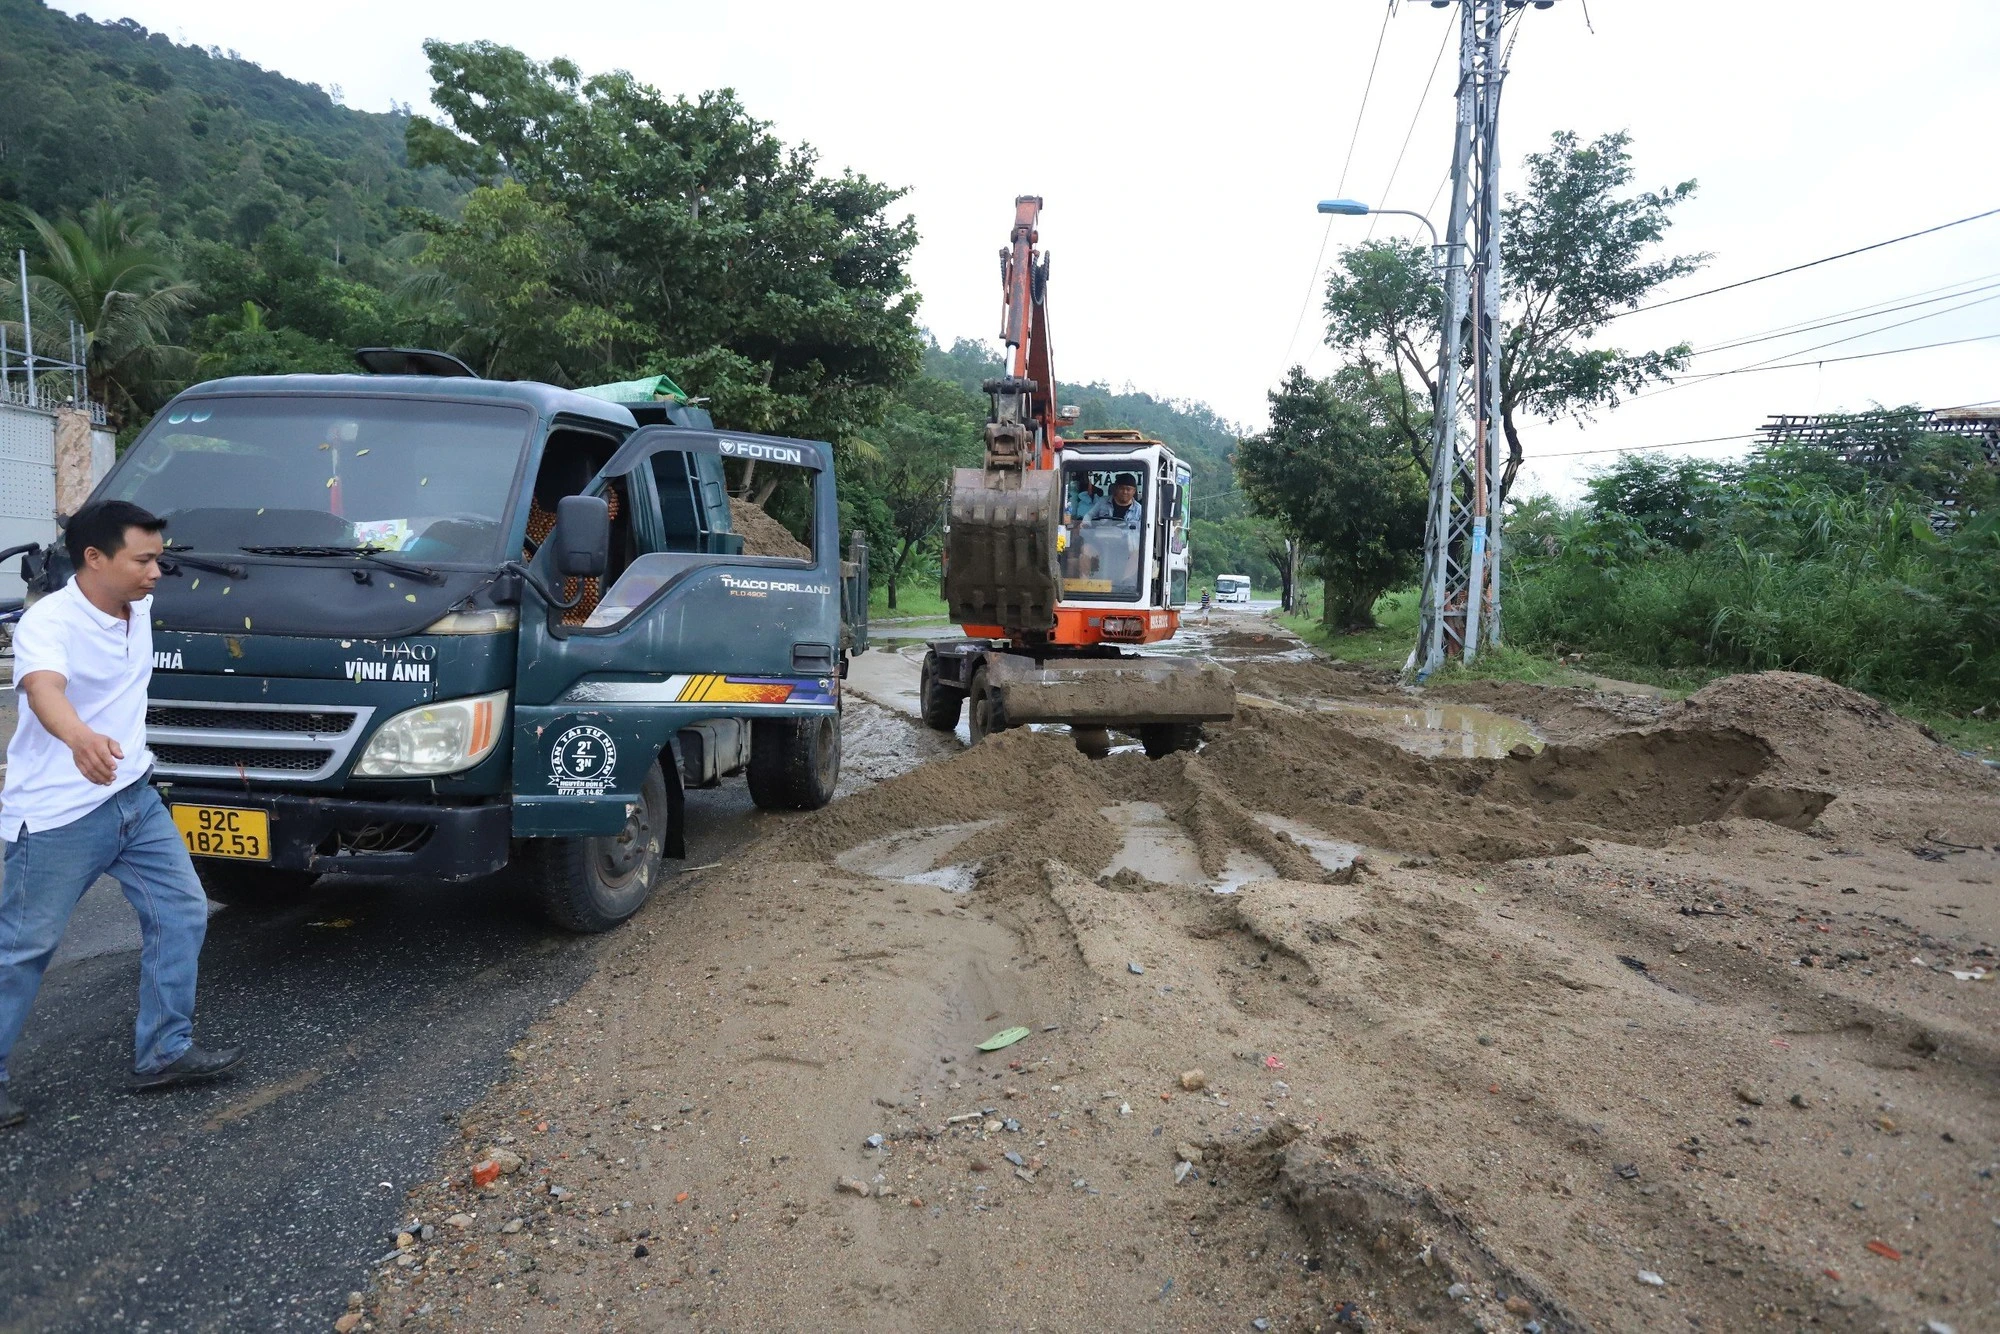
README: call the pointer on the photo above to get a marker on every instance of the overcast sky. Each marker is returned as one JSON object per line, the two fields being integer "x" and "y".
{"x": 1180, "y": 149}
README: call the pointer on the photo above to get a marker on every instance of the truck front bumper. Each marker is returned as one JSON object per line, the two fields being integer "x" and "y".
{"x": 342, "y": 836}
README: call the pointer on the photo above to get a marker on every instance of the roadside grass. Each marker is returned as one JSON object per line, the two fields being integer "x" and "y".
{"x": 1385, "y": 646}
{"x": 914, "y": 602}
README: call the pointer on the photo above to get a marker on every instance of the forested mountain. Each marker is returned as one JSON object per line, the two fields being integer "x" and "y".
{"x": 217, "y": 147}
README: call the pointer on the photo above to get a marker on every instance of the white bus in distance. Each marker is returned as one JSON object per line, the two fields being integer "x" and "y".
{"x": 1232, "y": 588}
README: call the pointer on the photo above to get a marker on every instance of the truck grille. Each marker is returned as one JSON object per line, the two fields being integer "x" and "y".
{"x": 330, "y": 721}
{"x": 234, "y": 758}
{"x": 205, "y": 739}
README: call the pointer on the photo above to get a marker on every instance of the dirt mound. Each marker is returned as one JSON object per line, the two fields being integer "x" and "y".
{"x": 1827, "y": 734}
{"x": 763, "y": 535}
{"x": 1273, "y": 766}
{"x": 1318, "y": 678}
{"x": 1607, "y": 1090}
{"x": 1256, "y": 640}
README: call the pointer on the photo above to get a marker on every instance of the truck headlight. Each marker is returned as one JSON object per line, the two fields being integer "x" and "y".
{"x": 440, "y": 738}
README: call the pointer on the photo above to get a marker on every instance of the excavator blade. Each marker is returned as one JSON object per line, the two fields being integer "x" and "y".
{"x": 1000, "y": 551}
{"x": 1110, "y": 692}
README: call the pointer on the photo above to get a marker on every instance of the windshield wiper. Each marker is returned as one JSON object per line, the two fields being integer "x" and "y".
{"x": 423, "y": 572}
{"x": 173, "y": 557}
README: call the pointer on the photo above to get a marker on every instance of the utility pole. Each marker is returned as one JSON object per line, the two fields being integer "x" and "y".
{"x": 1461, "y": 578}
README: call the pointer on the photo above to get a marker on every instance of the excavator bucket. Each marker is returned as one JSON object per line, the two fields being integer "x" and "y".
{"x": 1000, "y": 550}
{"x": 1124, "y": 692}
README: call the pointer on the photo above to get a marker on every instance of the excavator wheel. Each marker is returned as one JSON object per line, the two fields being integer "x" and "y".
{"x": 986, "y": 715}
{"x": 1165, "y": 738}
{"x": 938, "y": 702}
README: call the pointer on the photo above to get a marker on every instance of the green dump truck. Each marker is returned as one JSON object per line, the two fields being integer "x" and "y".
{"x": 428, "y": 626}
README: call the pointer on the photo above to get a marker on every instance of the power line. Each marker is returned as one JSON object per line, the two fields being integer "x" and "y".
{"x": 1852, "y": 313}
{"x": 1312, "y": 283}
{"x": 1636, "y": 449}
{"x": 1361, "y": 112}
{"x": 1436, "y": 62}
{"x": 1766, "y": 364}
{"x": 1707, "y": 440}
{"x": 1865, "y": 333}
{"x": 1858, "y": 356}
{"x": 1813, "y": 263}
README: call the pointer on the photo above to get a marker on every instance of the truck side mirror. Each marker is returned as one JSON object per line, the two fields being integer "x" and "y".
{"x": 582, "y": 537}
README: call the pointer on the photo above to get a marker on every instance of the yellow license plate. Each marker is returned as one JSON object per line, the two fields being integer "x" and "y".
{"x": 225, "y": 831}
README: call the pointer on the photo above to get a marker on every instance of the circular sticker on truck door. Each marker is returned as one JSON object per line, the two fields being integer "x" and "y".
{"x": 583, "y": 762}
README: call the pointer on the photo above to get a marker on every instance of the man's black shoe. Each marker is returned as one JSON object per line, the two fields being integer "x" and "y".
{"x": 195, "y": 1064}
{"x": 11, "y": 1113}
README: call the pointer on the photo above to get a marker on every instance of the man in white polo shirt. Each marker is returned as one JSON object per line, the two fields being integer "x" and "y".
{"x": 77, "y": 804}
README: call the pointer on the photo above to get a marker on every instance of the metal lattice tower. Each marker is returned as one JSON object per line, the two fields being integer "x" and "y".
{"x": 1461, "y": 579}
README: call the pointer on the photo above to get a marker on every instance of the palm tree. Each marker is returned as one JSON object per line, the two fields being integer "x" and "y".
{"x": 108, "y": 271}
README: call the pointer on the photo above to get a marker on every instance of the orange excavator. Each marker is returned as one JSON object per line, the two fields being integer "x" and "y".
{"x": 1061, "y": 556}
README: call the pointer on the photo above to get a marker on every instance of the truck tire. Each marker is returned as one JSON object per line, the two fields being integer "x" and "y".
{"x": 250, "y": 887}
{"x": 987, "y": 717}
{"x": 794, "y": 762}
{"x": 1166, "y": 738}
{"x": 589, "y": 885}
{"x": 939, "y": 703}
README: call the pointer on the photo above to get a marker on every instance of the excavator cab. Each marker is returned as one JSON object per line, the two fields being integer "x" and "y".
{"x": 1123, "y": 551}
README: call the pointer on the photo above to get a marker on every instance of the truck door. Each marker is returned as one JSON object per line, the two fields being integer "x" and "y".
{"x": 729, "y": 608}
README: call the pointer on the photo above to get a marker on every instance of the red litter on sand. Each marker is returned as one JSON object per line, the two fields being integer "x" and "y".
{"x": 1885, "y": 1250}
{"x": 1273, "y": 1063}
{"x": 485, "y": 1173}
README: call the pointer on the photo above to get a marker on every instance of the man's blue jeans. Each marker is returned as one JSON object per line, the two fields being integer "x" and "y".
{"x": 132, "y": 839}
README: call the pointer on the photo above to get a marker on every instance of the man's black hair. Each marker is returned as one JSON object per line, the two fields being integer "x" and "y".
{"x": 103, "y": 525}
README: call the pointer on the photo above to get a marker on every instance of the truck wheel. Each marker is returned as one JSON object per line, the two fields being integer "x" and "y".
{"x": 938, "y": 702}
{"x": 249, "y": 887}
{"x": 794, "y": 762}
{"x": 1166, "y": 738}
{"x": 590, "y": 885}
{"x": 987, "y": 716}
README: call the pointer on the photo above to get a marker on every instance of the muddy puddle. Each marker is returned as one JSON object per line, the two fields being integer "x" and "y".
{"x": 1330, "y": 853}
{"x": 918, "y": 856}
{"x": 1153, "y": 846}
{"x": 1435, "y": 731}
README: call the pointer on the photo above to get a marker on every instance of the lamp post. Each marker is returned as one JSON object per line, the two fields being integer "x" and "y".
{"x": 1354, "y": 208}
{"x": 1439, "y": 528}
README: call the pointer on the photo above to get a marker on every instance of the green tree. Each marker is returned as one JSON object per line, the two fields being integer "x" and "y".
{"x": 513, "y": 272}
{"x": 253, "y": 347}
{"x": 1576, "y": 250}
{"x": 1334, "y": 471}
{"x": 932, "y": 428}
{"x": 108, "y": 271}
{"x": 1674, "y": 501}
{"x": 779, "y": 294}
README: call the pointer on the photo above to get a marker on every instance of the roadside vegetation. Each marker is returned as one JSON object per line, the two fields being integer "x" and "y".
{"x": 1872, "y": 559}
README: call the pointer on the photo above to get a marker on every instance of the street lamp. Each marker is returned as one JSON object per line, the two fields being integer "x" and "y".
{"x": 1354, "y": 208}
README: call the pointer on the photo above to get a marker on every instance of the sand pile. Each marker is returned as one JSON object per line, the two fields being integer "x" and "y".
{"x": 1276, "y": 766}
{"x": 1824, "y": 732}
{"x": 762, "y": 534}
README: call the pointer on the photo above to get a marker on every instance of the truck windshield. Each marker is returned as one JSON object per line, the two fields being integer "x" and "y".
{"x": 431, "y": 479}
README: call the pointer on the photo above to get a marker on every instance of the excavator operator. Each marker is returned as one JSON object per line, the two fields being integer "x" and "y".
{"x": 1122, "y": 506}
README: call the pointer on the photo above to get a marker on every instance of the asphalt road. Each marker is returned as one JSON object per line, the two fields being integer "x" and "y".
{"x": 373, "y": 1013}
